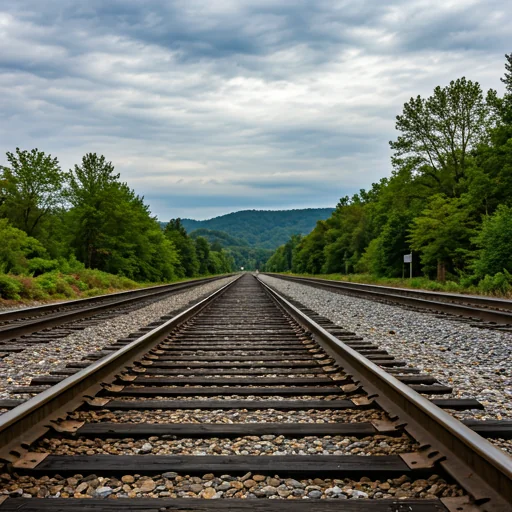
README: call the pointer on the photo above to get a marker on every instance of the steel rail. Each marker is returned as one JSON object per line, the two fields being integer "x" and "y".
{"x": 456, "y": 304}
{"x": 27, "y": 422}
{"x": 83, "y": 308}
{"x": 482, "y": 469}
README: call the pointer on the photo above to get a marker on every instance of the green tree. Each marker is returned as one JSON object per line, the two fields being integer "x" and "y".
{"x": 437, "y": 134}
{"x": 30, "y": 188}
{"x": 112, "y": 229}
{"x": 92, "y": 190}
{"x": 189, "y": 264}
{"x": 203, "y": 254}
{"x": 17, "y": 248}
{"x": 442, "y": 235}
{"x": 494, "y": 242}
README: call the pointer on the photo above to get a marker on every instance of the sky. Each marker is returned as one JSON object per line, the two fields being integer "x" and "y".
{"x": 209, "y": 107}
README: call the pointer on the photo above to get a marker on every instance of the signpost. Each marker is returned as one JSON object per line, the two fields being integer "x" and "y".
{"x": 408, "y": 259}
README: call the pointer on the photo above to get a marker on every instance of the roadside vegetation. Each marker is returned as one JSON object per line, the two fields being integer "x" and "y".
{"x": 448, "y": 201}
{"x": 84, "y": 232}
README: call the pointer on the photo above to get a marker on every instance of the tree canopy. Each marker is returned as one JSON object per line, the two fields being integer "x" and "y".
{"x": 51, "y": 220}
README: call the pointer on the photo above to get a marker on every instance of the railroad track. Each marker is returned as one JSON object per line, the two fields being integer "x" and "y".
{"x": 22, "y": 328}
{"x": 245, "y": 396}
{"x": 483, "y": 312}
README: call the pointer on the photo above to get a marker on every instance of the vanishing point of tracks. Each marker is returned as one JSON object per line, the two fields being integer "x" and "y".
{"x": 245, "y": 396}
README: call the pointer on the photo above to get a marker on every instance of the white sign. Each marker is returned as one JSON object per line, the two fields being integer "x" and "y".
{"x": 407, "y": 258}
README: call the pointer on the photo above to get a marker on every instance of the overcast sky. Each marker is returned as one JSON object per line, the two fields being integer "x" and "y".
{"x": 209, "y": 107}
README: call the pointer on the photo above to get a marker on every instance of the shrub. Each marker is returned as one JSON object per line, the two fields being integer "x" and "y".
{"x": 31, "y": 289}
{"x": 10, "y": 287}
{"x": 38, "y": 266}
{"x": 47, "y": 282}
{"x": 498, "y": 284}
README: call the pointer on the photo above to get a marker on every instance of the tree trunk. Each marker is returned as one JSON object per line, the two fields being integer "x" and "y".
{"x": 441, "y": 271}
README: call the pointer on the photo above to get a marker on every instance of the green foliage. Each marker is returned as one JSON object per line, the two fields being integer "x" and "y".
{"x": 38, "y": 266}
{"x": 437, "y": 133}
{"x": 203, "y": 254}
{"x": 17, "y": 248}
{"x": 9, "y": 287}
{"x": 112, "y": 227}
{"x": 55, "y": 284}
{"x": 260, "y": 228}
{"x": 30, "y": 188}
{"x": 498, "y": 284}
{"x": 494, "y": 241}
{"x": 442, "y": 233}
{"x": 220, "y": 237}
{"x": 91, "y": 232}
{"x": 188, "y": 261}
{"x": 449, "y": 200}
{"x": 282, "y": 259}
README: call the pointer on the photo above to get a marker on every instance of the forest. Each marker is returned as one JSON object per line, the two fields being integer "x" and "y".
{"x": 448, "y": 199}
{"x": 265, "y": 229}
{"x": 81, "y": 232}
{"x": 251, "y": 236}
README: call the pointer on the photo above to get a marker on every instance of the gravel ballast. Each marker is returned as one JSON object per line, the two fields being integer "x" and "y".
{"x": 230, "y": 416}
{"x": 210, "y": 486}
{"x": 17, "y": 369}
{"x": 246, "y": 445}
{"x": 475, "y": 362}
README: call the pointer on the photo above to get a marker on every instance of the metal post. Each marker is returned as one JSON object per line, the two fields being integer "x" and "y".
{"x": 410, "y": 268}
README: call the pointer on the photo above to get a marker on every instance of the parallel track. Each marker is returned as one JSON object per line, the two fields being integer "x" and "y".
{"x": 497, "y": 312}
{"x": 25, "y": 326}
{"x": 243, "y": 349}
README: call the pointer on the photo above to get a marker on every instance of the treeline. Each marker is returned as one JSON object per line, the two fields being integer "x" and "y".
{"x": 243, "y": 255}
{"x": 448, "y": 200}
{"x": 55, "y": 221}
{"x": 264, "y": 229}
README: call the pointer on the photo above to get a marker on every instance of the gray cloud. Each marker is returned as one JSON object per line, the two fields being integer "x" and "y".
{"x": 206, "y": 107}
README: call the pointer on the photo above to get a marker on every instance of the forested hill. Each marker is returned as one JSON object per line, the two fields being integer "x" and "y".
{"x": 264, "y": 229}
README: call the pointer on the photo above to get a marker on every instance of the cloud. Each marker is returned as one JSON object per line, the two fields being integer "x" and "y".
{"x": 235, "y": 103}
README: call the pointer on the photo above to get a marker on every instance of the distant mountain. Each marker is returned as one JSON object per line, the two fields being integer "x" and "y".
{"x": 264, "y": 229}
{"x": 221, "y": 237}
{"x": 251, "y": 236}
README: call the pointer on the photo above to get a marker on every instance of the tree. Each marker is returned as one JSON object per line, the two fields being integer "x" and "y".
{"x": 203, "y": 254}
{"x": 438, "y": 133}
{"x": 16, "y": 249}
{"x": 507, "y": 79}
{"x": 31, "y": 188}
{"x": 112, "y": 227}
{"x": 92, "y": 190}
{"x": 189, "y": 264}
{"x": 442, "y": 235}
{"x": 494, "y": 242}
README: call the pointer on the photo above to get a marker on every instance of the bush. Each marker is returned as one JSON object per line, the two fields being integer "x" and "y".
{"x": 47, "y": 282}
{"x": 55, "y": 284}
{"x": 498, "y": 284}
{"x": 31, "y": 289}
{"x": 10, "y": 288}
{"x": 495, "y": 248}
{"x": 38, "y": 266}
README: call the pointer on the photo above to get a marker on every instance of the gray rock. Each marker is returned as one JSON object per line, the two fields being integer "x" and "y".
{"x": 103, "y": 492}
{"x": 146, "y": 448}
